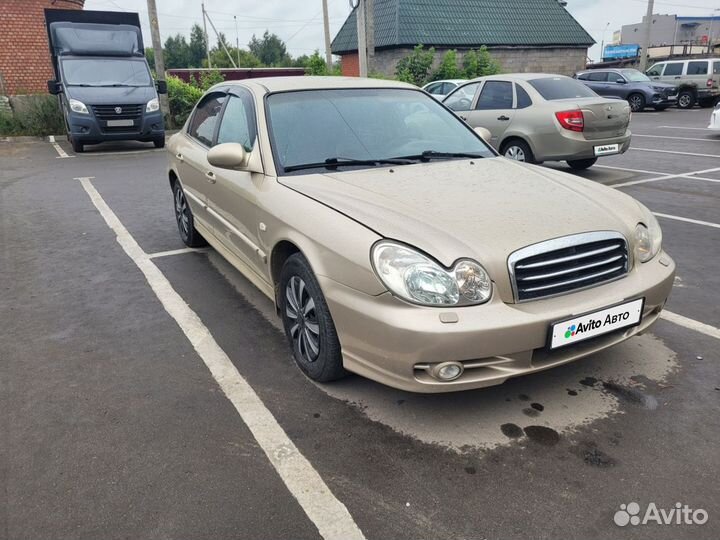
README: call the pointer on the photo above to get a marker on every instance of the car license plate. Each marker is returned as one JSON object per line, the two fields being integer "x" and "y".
{"x": 120, "y": 123}
{"x": 606, "y": 149}
{"x": 596, "y": 323}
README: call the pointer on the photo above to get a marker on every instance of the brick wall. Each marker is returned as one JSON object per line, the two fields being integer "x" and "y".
{"x": 24, "y": 53}
{"x": 350, "y": 65}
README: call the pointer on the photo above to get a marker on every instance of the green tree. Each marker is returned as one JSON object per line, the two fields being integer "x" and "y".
{"x": 448, "y": 68}
{"x": 150, "y": 57}
{"x": 197, "y": 52}
{"x": 415, "y": 68}
{"x": 479, "y": 63}
{"x": 270, "y": 50}
{"x": 316, "y": 65}
{"x": 177, "y": 52}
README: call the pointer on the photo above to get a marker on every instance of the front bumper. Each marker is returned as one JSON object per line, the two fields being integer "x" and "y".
{"x": 88, "y": 129}
{"x": 395, "y": 343}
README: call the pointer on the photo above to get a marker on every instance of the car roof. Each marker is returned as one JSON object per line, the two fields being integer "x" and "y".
{"x": 284, "y": 84}
{"x": 520, "y": 76}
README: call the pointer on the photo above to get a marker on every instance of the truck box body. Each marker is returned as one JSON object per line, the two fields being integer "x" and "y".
{"x": 102, "y": 79}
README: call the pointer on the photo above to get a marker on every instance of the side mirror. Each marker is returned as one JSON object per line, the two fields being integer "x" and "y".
{"x": 54, "y": 87}
{"x": 484, "y": 133}
{"x": 161, "y": 87}
{"x": 621, "y": 81}
{"x": 228, "y": 156}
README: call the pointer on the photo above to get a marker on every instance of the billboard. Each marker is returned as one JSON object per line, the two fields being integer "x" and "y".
{"x": 612, "y": 52}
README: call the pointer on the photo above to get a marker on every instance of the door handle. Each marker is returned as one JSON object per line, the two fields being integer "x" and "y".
{"x": 503, "y": 118}
{"x": 463, "y": 117}
{"x": 677, "y": 77}
{"x": 211, "y": 177}
{"x": 179, "y": 156}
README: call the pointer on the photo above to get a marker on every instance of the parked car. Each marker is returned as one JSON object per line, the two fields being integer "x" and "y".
{"x": 715, "y": 118}
{"x": 440, "y": 89}
{"x": 697, "y": 80}
{"x": 396, "y": 244}
{"x": 631, "y": 85}
{"x": 535, "y": 117}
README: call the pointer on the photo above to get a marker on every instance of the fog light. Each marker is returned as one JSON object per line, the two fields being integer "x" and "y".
{"x": 447, "y": 371}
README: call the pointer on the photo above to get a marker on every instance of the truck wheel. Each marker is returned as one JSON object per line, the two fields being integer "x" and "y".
{"x": 308, "y": 325}
{"x": 686, "y": 99}
{"x": 77, "y": 146}
{"x": 581, "y": 164}
{"x": 637, "y": 102}
{"x": 159, "y": 142}
{"x": 185, "y": 220}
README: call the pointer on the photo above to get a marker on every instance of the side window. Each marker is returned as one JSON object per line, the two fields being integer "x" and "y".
{"x": 204, "y": 120}
{"x": 697, "y": 68}
{"x": 615, "y": 77}
{"x": 523, "y": 99}
{"x": 599, "y": 76}
{"x": 583, "y": 76}
{"x": 495, "y": 95}
{"x": 448, "y": 87}
{"x": 655, "y": 71}
{"x": 238, "y": 122}
{"x": 674, "y": 68}
{"x": 461, "y": 99}
{"x": 716, "y": 68}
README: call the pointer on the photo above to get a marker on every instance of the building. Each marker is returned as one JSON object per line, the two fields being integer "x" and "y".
{"x": 522, "y": 35}
{"x": 674, "y": 30}
{"x": 25, "y": 64}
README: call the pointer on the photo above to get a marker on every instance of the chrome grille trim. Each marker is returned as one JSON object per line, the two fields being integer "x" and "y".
{"x": 568, "y": 264}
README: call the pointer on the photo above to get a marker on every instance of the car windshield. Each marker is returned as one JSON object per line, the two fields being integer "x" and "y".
{"x": 105, "y": 72}
{"x": 633, "y": 75}
{"x": 370, "y": 125}
{"x": 552, "y": 88}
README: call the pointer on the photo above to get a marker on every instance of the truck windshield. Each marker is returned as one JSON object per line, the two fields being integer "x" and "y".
{"x": 105, "y": 72}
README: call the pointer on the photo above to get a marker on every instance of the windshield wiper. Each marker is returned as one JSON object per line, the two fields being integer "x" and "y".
{"x": 427, "y": 155}
{"x": 333, "y": 163}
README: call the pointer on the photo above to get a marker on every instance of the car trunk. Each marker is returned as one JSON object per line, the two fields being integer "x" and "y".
{"x": 604, "y": 118}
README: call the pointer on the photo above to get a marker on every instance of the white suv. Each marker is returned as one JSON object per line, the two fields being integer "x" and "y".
{"x": 697, "y": 80}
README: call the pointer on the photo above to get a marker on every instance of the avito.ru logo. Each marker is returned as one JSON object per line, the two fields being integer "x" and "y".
{"x": 679, "y": 515}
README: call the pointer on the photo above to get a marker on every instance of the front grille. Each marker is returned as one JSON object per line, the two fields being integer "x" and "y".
{"x": 567, "y": 264}
{"x": 109, "y": 112}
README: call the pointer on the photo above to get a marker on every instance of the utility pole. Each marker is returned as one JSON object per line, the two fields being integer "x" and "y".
{"x": 221, "y": 42}
{"x": 159, "y": 61}
{"x": 646, "y": 36}
{"x": 326, "y": 25}
{"x": 362, "y": 38}
{"x": 207, "y": 38}
{"x": 370, "y": 25}
{"x": 237, "y": 40}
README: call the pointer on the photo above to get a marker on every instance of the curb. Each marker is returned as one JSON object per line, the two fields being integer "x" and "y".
{"x": 54, "y": 138}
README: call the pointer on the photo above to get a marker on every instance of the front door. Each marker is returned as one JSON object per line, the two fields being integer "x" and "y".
{"x": 494, "y": 109}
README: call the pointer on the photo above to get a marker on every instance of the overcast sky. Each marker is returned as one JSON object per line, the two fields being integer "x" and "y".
{"x": 299, "y": 22}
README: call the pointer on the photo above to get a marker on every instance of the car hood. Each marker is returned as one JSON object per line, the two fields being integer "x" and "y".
{"x": 483, "y": 209}
{"x": 111, "y": 95}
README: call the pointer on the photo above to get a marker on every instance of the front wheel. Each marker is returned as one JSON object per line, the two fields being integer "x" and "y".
{"x": 581, "y": 164}
{"x": 77, "y": 146}
{"x": 637, "y": 102}
{"x": 686, "y": 99}
{"x": 308, "y": 325}
{"x": 517, "y": 150}
{"x": 159, "y": 142}
{"x": 185, "y": 220}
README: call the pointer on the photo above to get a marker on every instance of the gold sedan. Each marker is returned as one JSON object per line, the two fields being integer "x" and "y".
{"x": 398, "y": 245}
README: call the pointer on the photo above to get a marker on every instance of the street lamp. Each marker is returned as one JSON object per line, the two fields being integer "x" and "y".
{"x": 602, "y": 43}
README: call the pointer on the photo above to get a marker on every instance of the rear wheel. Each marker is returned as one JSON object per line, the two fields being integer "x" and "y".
{"x": 308, "y": 325}
{"x": 517, "y": 150}
{"x": 77, "y": 146}
{"x": 581, "y": 164}
{"x": 686, "y": 99}
{"x": 637, "y": 102}
{"x": 185, "y": 220}
{"x": 707, "y": 102}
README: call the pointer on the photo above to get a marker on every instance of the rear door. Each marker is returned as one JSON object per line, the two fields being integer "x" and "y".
{"x": 494, "y": 109}
{"x": 597, "y": 80}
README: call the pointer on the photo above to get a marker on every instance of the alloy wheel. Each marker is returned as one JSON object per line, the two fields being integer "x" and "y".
{"x": 515, "y": 152}
{"x": 304, "y": 326}
{"x": 635, "y": 103}
{"x": 182, "y": 212}
{"x": 684, "y": 101}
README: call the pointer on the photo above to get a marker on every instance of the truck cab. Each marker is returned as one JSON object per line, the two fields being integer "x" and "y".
{"x": 103, "y": 81}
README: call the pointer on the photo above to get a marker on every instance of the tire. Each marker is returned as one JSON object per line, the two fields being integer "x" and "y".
{"x": 686, "y": 99}
{"x": 581, "y": 164}
{"x": 159, "y": 143}
{"x": 660, "y": 107}
{"x": 77, "y": 146}
{"x": 185, "y": 220}
{"x": 637, "y": 102}
{"x": 518, "y": 150}
{"x": 707, "y": 103}
{"x": 308, "y": 325}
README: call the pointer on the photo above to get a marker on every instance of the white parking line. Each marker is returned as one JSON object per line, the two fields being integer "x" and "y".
{"x": 674, "y": 152}
{"x": 685, "y": 127}
{"x": 688, "y": 220}
{"x": 176, "y": 252}
{"x": 688, "y": 175}
{"x": 676, "y": 138}
{"x": 629, "y": 170}
{"x": 329, "y": 515}
{"x": 61, "y": 153}
{"x": 691, "y": 324}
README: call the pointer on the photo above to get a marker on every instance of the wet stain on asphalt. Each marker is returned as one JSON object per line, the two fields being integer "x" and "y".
{"x": 542, "y": 435}
{"x": 532, "y": 413}
{"x": 589, "y": 452}
{"x": 631, "y": 395}
{"x": 400, "y": 401}
{"x": 589, "y": 381}
{"x": 537, "y": 407}
{"x": 470, "y": 470}
{"x": 572, "y": 393}
{"x": 511, "y": 430}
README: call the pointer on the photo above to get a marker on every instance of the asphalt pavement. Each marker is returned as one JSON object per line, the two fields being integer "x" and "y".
{"x": 115, "y": 426}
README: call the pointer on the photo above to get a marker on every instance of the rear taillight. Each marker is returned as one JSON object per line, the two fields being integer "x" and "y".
{"x": 572, "y": 120}
{"x": 709, "y": 83}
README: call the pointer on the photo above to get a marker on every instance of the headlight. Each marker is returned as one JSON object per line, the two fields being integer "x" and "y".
{"x": 78, "y": 106}
{"x": 417, "y": 278}
{"x": 152, "y": 105}
{"x": 648, "y": 238}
